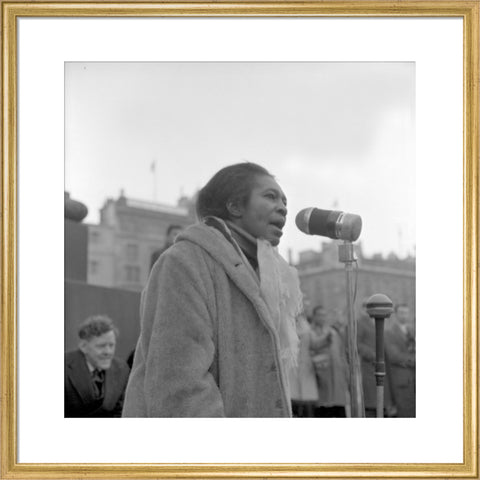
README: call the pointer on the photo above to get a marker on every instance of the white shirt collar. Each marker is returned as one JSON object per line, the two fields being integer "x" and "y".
{"x": 91, "y": 368}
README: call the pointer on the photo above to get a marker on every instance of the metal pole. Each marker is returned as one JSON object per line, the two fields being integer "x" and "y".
{"x": 346, "y": 255}
{"x": 379, "y": 364}
{"x": 379, "y": 307}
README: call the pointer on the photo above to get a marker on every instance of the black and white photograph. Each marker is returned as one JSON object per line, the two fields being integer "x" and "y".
{"x": 226, "y": 228}
{"x": 240, "y": 239}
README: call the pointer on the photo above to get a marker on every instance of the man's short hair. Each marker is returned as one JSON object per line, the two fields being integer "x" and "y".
{"x": 95, "y": 326}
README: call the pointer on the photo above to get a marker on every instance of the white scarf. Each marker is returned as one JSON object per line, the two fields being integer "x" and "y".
{"x": 280, "y": 289}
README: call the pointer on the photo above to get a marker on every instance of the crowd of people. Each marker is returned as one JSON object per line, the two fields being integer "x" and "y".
{"x": 320, "y": 383}
{"x": 223, "y": 333}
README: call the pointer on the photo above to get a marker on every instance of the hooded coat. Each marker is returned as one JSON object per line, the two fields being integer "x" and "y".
{"x": 207, "y": 347}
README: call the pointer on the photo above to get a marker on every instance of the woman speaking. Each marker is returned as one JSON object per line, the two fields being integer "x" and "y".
{"x": 218, "y": 312}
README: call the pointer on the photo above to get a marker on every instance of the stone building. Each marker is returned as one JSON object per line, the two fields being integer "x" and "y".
{"x": 120, "y": 247}
{"x": 322, "y": 278}
{"x": 82, "y": 299}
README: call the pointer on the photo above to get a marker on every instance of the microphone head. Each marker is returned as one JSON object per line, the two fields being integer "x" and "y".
{"x": 329, "y": 223}
{"x": 379, "y": 306}
{"x": 302, "y": 220}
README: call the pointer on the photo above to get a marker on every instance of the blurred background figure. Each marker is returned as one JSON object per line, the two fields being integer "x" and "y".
{"x": 329, "y": 360}
{"x": 95, "y": 379}
{"x": 303, "y": 381}
{"x": 338, "y": 321}
{"x": 366, "y": 351}
{"x": 172, "y": 232}
{"x": 400, "y": 348}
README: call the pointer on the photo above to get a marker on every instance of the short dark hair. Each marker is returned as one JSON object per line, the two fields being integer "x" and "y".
{"x": 95, "y": 326}
{"x": 230, "y": 184}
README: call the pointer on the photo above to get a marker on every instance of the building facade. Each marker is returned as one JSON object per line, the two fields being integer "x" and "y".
{"x": 120, "y": 247}
{"x": 323, "y": 282}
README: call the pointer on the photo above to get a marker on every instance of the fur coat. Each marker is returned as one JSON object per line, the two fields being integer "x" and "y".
{"x": 207, "y": 347}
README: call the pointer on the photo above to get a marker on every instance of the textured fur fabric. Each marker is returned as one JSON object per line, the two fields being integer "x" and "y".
{"x": 207, "y": 346}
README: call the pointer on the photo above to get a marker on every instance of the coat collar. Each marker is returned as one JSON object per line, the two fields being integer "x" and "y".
{"x": 246, "y": 242}
{"x": 219, "y": 243}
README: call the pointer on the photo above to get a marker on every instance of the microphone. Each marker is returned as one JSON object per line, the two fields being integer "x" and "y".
{"x": 329, "y": 223}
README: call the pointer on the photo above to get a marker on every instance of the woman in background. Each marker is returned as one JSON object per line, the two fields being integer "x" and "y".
{"x": 218, "y": 312}
{"x": 303, "y": 381}
{"x": 329, "y": 359}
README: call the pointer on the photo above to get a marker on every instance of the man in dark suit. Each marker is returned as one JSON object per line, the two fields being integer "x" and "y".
{"x": 95, "y": 379}
{"x": 400, "y": 348}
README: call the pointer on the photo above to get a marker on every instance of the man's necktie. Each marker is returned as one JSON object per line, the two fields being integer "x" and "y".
{"x": 98, "y": 377}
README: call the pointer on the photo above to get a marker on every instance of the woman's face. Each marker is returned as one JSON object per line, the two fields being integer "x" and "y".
{"x": 265, "y": 212}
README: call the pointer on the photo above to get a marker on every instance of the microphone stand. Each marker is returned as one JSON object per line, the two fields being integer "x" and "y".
{"x": 346, "y": 255}
{"x": 379, "y": 307}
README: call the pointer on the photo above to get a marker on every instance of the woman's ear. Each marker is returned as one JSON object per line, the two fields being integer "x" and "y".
{"x": 235, "y": 209}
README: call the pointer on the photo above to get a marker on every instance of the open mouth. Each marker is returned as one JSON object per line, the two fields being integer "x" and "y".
{"x": 278, "y": 224}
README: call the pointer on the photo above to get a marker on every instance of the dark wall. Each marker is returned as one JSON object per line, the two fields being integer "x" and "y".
{"x": 122, "y": 306}
{"x": 76, "y": 241}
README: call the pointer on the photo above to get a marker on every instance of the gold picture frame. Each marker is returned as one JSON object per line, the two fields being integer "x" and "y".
{"x": 467, "y": 10}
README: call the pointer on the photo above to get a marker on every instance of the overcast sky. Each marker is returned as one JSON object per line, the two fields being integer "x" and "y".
{"x": 335, "y": 135}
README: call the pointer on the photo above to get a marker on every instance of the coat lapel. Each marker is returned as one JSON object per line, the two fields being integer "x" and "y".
{"x": 80, "y": 377}
{"x": 237, "y": 268}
